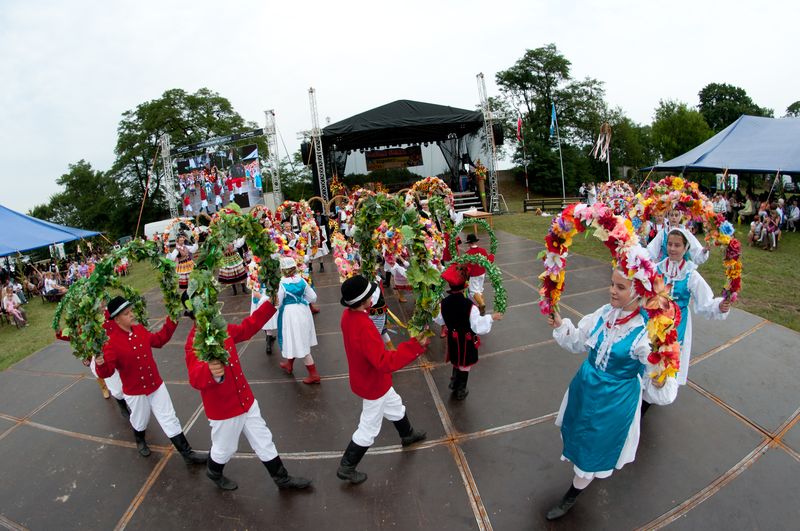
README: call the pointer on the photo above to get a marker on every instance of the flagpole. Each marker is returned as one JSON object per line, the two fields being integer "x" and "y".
{"x": 560, "y": 157}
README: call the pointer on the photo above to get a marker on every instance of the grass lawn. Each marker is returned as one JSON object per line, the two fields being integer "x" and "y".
{"x": 16, "y": 344}
{"x": 769, "y": 279}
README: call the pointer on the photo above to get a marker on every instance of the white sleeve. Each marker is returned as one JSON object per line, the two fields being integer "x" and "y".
{"x": 309, "y": 294}
{"x": 237, "y": 243}
{"x": 573, "y": 339}
{"x": 172, "y": 255}
{"x": 654, "y": 247}
{"x": 439, "y": 319}
{"x": 480, "y": 324}
{"x": 456, "y": 217}
{"x": 660, "y": 396}
{"x": 192, "y": 248}
{"x": 698, "y": 253}
{"x": 703, "y": 301}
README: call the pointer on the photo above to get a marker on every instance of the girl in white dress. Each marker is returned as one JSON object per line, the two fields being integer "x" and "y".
{"x": 296, "y": 332}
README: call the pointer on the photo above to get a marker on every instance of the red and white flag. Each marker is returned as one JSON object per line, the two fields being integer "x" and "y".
{"x": 519, "y": 128}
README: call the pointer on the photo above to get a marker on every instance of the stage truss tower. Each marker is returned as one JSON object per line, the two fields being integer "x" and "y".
{"x": 169, "y": 177}
{"x": 316, "y": 139}
{"x": 272, "y": 145}
{"x": 491, "y": 161}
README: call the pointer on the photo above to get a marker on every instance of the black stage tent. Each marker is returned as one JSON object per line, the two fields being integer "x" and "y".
{"x": 455, "y": 131}
{"x": 400, "y": 122}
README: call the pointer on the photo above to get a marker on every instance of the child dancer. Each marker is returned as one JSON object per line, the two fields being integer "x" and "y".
{"x": 182, "y": 256}
{"x": 296, "y": 332}
{"x": 232, "y": 271}
{"x": 398, "y": 268}
{"x": 258, "y": 290}
{"x": 687, "y": 286}
{"x": 658, "y": 245}
{"x": 477, "y": 273}
{"x": 464, "y": 326}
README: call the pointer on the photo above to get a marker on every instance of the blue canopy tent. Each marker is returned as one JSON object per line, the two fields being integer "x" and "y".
{"x": 20, "y": 233}
{"x": 751, "y": 144}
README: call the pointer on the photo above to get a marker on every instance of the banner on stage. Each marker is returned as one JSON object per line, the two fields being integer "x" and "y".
{"x": 394, "y": 158}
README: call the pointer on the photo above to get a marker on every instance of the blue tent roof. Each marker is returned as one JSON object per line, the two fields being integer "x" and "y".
{"x": 750, "y": 144}
{"x": 23, "y": 233}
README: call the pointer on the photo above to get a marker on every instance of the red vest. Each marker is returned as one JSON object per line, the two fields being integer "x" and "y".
{"x": 371, "y": 365}
{"x": 232, "y": 396}
{"x": 131, "y": 354}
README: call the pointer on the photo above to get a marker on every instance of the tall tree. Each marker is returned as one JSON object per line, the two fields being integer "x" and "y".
{"x": 677, "y": 129}
{"x": 722, "y": 104}
{"x": 793, "y": 110}
{"x": 533, "y": 84}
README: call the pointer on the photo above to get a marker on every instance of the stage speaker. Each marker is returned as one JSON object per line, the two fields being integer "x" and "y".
{"x": 497, "y": 133}
{"x": 306, "y": 151}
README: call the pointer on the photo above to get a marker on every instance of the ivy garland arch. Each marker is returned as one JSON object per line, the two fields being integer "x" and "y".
{"x": 468, "y": 222}
{"x": 495, "y": 277}
{"x": 419, "y": 238}
{"x": 82, "y": 306}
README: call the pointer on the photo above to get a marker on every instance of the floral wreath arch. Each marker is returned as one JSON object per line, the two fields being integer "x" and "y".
{"x": 618, "y": 235}
{"x": 677, "y": 193}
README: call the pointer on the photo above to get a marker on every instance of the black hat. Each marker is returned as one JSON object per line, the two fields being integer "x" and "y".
{"x": 356, "y": 290}
{"x": 471, "y": 238}
{"x": 116, "y": 305}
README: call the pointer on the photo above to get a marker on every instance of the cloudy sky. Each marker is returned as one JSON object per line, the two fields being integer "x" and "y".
{"x": 70, "y": 69}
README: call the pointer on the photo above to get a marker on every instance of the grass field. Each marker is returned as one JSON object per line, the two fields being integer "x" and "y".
{"x": 16, "y": 344}
{"x": 768, "y": 278}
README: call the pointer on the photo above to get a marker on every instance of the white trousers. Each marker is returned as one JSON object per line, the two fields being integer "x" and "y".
{"x": 476, "y": 284}
{"x": 113, "y": 382}
{"x": 389, "y": 406}
{"x": 225, "y": 436}
{"x": 161, "y": 405}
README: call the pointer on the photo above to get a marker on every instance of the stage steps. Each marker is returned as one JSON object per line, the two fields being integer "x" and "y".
{"x": 466, "y": 200}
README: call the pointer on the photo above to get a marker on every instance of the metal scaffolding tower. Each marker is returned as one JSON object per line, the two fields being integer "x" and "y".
{"x": 169, "y": 178}
{"x": 316, "y": 139}
{"x": 491, "y": 161}
{"x": 274, "y": 160}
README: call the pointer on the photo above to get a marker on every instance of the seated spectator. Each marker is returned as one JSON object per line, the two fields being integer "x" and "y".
{"x": 51, "y": 287}
{"x": 792, "y": 216}
{"x": 771, "y": 232}
{"x": 748, "y": 210}
{"x": 756, "y": 228}
{"x": 13, "y": 307}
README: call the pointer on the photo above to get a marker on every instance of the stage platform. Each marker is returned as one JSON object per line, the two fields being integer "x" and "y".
{"x": 725, "y": 455}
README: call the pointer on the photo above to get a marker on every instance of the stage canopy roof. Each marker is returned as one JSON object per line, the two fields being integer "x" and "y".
{"x": 401, "y": 122}
{"x": 751, "y": 144}
{"x": 22, "y": 233}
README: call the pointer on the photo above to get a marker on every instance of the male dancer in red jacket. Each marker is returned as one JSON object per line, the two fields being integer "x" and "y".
{"x": 371, "y": 367}
{"x": 129, "y": 351}
{"x": 231, "y": 407}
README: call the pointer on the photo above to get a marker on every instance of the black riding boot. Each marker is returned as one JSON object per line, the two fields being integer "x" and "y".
{"x": 234, "y": 288}
{"x": 460, "y": 388}
{"x": 190, "y": 457}
{"x": 244, "y": 289}
{"x": 321, "y": 267}
{"x": 453, "y": 379}
{"x": 347, "y": 466}
{"x": 270, "y": 341}
{"x": 141, "y": 444}
{"x": 214, "y": 473}
{"x": 282, "y": 478}
{"x": 565, "y": 504}
{"x": 408, "y": 435}
{"x": 123, "y": 408}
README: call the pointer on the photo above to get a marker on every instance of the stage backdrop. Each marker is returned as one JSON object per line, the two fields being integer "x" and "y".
{"x": 394, "y": 158}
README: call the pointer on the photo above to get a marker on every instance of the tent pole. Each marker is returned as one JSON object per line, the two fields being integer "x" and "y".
{"x": 777, "y": 176}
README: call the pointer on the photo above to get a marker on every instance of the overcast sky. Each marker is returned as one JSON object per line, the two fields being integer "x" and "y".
{"x": 71, "y": 68}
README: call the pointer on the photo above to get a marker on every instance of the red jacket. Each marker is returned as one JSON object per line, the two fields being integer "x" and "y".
{"x": 131, "y": 354}
{"x": 476, "y": 270}
{"x": 232, "y": 396}
{"x": 371, "y": 365}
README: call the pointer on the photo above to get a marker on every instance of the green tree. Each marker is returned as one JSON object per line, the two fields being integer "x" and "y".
{"x": 793, "y": 110}
{"x": 296, "y": 178}
{"x": 536, "y": 81}
{"x": 188, "y": 118}
{"x": 722, "y": 104}
{"x": 677, "y": 129}
{"x": 631, "y": 143}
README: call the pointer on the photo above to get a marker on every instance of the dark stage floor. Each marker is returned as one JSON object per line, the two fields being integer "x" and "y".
{"x": 725, "y": 455}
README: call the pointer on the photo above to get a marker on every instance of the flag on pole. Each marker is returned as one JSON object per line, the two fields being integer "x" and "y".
{"x": 519, "y": 128}
{"x": 553, "y": 121}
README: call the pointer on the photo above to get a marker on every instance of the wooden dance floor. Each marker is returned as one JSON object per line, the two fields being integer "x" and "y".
{"x": 725, "y": 455}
